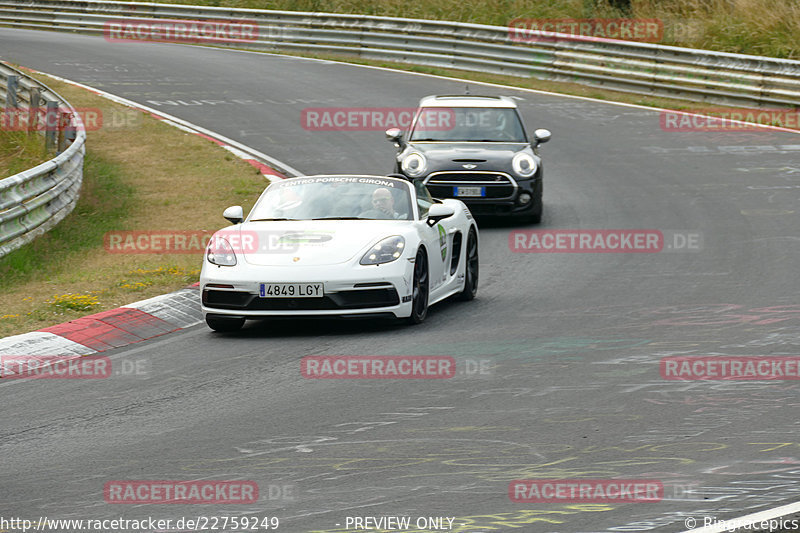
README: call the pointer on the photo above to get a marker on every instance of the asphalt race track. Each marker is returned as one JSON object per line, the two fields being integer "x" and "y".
{"x": 558, "y": 357}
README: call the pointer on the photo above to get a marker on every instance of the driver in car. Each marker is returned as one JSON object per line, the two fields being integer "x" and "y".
{"x": 382, "y": 206}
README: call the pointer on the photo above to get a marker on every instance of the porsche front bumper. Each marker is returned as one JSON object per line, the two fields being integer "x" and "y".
{"x": 348, "y": 290}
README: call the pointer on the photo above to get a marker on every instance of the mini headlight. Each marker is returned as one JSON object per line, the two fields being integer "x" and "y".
{"x": 220, "y": 252}
{"x": 414, "y": 164}
{"x": 524, "y": 164}
{"x": 386, "y": 251}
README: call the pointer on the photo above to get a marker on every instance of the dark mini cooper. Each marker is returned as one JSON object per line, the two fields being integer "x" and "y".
{"x": 475, "y": 149}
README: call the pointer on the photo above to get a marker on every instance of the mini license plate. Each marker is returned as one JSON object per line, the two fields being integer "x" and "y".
{"x": 469, "y": 191}
{"x": 291, "y": 290}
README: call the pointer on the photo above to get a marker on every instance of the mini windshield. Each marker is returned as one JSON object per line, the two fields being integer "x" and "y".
{"x": 335, "y": 198}
{"x": 469, "y": 124}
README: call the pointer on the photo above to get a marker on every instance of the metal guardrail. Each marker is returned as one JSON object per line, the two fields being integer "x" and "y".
{"x": 641, "y": 68}
{"x": 34, "y": 201}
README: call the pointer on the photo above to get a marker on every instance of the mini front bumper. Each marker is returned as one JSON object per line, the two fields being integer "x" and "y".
{"x": 504, "y": 206}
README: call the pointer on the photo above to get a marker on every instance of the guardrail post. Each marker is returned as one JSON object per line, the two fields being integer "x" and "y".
{"x": 11, "y": 91}
{"x": 33, "y": 108}
{"x": 50, "y": 125}
{"x": 11, "y": 112}
{"x": 64, "y": 119}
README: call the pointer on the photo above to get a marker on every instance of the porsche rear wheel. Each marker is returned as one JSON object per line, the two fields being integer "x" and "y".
{"x": 471, "y": 267}
{"x": 421, "y": 288}
{"x": 224, "y": 324}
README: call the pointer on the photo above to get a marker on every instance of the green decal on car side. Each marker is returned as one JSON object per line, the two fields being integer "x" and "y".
{"x": 443, "y": 241}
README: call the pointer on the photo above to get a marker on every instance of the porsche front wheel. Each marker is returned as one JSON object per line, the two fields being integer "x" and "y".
{"x": 421, "y": 287}
{"x": 471, "y": 267}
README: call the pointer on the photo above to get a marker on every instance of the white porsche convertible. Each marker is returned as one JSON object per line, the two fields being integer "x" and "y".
{"x": 344, "y": 245}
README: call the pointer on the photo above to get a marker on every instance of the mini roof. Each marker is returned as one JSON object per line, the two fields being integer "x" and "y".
{"x": 467, "y": 100}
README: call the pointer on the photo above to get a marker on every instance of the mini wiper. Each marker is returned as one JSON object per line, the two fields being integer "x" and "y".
{"x": 272, "y": 219}
{"x": 423, "y": 140}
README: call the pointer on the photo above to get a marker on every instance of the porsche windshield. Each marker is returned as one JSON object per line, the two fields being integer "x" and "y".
{"x": 335, "y": 198}
{"x": 460, "y": 124}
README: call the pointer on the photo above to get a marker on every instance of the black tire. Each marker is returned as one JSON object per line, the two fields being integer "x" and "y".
{"x": 472, "y": 268}
{"x": 536, "y": 217}
{"x": 533, "y": 218}
{"x": 224, "y": 324}
{"x": 421, "y": 289}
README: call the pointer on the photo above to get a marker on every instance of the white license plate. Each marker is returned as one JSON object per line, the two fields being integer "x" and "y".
{"x": 291, "y": 290}
{"x": 469, "y": 191}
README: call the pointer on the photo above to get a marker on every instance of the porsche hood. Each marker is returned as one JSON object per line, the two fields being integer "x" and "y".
{"x": 309, "y": 243}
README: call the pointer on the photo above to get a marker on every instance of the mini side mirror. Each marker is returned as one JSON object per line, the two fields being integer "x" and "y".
{"x": 541, "y": 135}
{"x": 394, "y": 134}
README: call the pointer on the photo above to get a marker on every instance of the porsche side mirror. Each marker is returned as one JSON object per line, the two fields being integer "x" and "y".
{"x": 439, "y": 212}
{"x": 541, "y": 136}
{"x": 234, "y": 214}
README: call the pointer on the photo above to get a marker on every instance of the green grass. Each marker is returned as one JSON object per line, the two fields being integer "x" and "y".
{"x": 104, "y": 204}
{"x": 20, "y": 151}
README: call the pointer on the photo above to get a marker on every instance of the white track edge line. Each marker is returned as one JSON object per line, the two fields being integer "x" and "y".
{"x": 194, "y": 128}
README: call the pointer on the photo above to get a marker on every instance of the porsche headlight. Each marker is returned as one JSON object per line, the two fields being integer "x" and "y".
{"x": 386, "y": 251}
{"x": 414, "y": 164}
{"x": 220, "y": 252}
{"x": 524, "y": 164}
